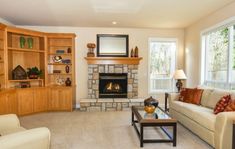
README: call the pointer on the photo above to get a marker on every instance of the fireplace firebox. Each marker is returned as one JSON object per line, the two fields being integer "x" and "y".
{"x": 113, "y": 85}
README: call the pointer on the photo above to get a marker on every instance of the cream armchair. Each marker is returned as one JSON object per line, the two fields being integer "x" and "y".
{"x": 13, "y": 136}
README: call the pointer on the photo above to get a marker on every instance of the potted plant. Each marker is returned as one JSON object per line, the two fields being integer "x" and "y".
{"x": 34, "y": 72}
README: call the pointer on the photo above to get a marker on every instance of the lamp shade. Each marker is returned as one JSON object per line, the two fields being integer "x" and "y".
{"x": 179, "y": 74}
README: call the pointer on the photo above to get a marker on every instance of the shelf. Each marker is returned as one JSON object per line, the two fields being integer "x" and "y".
{"x": 61, "y": 45}
{"x": 1, "y": 74}
{"x": 58, "y": 64}
{"x": 26, "y": 80}
{"x": 25, "y": 50}
{"x": 69, "y": 54}
{"x": 114, "y": 60}
{"x": 1, "y": 61}
{"x": 59, "y": 74}
{"x": 1, "y": 49}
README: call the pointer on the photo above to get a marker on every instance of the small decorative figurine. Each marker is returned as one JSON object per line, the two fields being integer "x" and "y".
{"x": 91, "y": 47}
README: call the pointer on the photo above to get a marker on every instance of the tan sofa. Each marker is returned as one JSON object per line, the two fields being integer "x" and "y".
{"x": 13, "y": 136}
{"x": 214, "y": 129}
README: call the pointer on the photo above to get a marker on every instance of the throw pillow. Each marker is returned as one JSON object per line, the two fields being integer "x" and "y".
{"x": 194, "y": 96}
{"x": 230, "y": 106}
{"x": 190, "y": 95}
{"x": 222, "y": 104}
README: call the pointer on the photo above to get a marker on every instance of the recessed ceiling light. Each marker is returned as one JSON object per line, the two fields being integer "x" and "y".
{"x": 114, "y": 22}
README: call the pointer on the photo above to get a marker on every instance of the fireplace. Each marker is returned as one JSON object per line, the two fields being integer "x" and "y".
{"x": 112, "y": 85}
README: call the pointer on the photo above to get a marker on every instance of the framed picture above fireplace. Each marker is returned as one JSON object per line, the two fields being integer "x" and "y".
{"x": 112, "y": 45}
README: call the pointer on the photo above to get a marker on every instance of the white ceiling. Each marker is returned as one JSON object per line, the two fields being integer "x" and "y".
{"x": 101, "y": 13}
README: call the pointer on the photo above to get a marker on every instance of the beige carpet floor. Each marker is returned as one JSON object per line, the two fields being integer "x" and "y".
{"x": 103, "y": 130}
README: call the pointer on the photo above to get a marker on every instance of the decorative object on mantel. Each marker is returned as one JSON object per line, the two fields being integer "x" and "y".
{"x": 67, "y": 68}
{"x": 132, "y": 53}
{"x": 34, "y": 72}
{"x": 19, "y": 73}
{"x": 136, "y": 52}
{"x": 179, "y": 75}
{"x": 68, "y": 82}
{"x": 91, "y": 47}
{"x": 22, "y": 42}
{"x": 150, "y": 104}
{"x": 30, "y": 42}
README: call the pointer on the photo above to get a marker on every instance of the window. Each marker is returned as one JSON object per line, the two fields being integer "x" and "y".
{"x": 218, "y": 57}
{"x": 162, "y": 53}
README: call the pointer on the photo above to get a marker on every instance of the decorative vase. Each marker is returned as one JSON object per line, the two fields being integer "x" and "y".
{"x": 22, "y": 42}
{"x": 69, "y": 50}
{"x": 149, "y": 109}
{"x": 151, "y": 101}
{"x": 67, "y": 68}
{"x": 30, "y": 42}
{"x": 136, "y": 52}
{"x": 68, "y": 82}
{"x": 132, "y": 53}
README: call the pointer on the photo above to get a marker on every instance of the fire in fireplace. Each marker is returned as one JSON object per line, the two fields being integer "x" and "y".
{"x": 113, "y": 85}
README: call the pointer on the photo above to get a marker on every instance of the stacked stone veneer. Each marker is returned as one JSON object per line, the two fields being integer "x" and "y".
{"x": 93, "y": 78}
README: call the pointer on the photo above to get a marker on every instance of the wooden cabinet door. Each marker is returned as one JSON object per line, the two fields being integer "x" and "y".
{"x": 40, "y": 100}
{"x": 12, "y": 102}
{"x": 25, "y": 101}
{"x": 8, "y": 102}
{"x": 65, "y": 96}
{"x": 54, "y": 99}
{"x": 3, "y": 103}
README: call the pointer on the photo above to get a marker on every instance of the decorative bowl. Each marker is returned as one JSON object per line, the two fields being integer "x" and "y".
{"x": 149, "y": 109}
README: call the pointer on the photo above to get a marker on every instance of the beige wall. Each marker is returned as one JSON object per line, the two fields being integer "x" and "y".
{"x": 137, "y": 37}
{"x": 192, "y": 41}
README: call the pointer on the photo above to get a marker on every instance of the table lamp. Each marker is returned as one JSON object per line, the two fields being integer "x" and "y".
{"x": 179, "y": 75}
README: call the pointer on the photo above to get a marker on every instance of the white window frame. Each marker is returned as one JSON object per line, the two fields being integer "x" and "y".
{"x": 229, "y": 23}
{"x": 157, "y": 39}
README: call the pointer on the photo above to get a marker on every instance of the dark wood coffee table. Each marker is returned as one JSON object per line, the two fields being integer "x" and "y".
{"x": 163, "y": 120}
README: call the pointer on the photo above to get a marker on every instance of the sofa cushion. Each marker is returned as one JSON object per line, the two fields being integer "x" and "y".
{"x": 199, "y": 114}
{"x": 10, "y": 131}
{"x": 222, "y": 104}
{"x": 205, "y": 96}
{"x": 215, "y": 97}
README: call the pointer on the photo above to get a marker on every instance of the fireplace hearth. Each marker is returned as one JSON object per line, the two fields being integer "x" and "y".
{"x": 113, "y": 85}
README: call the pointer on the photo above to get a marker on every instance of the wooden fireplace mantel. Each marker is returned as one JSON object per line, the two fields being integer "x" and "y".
{"x": 114, "y": 60}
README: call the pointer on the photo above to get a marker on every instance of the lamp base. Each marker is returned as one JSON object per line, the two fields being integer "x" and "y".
{"x": 179, "y": 85}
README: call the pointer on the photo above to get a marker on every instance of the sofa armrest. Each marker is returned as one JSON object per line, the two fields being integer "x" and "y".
{"x": 9, "y": 121}
{"x": 38, "y": 138}
{"x": 173, "y": 97}
{"x": 223, "y": 130}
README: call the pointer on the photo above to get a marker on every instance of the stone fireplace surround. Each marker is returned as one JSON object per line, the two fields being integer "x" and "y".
{"x": 93, "y": 78}
{"x": 98, "y": 65}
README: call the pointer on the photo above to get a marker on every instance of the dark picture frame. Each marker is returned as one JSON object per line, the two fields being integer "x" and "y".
{"x": 112, "y": 45}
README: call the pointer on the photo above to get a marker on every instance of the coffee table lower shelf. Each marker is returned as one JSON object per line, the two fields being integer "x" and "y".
{"x": 162, "y": 125}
